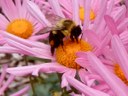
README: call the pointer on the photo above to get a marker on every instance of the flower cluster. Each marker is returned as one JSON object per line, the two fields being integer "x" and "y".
{"x": 94, "y": 64}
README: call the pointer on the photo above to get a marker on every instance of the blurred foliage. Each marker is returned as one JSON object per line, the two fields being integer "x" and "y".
{"x": 48, "y": 86}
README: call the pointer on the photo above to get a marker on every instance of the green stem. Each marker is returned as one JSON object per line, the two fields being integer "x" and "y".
{"x": 30, "y": 78}
{"x": 32, "y": 86}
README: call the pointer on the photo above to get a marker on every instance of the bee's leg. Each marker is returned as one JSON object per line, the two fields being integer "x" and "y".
{"x": 52, "y": 50}
{"x": 81, "y": 36}
{"x": 72, "y": 37}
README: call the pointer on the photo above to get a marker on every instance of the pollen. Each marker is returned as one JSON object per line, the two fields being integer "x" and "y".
{"x": 120, "y": 73}
{"x": 21, "y": 28}
{"x": 81, "y": 14}
{"x": 66, "y": 54}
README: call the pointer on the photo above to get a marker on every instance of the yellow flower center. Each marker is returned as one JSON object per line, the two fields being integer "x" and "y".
{"x": 20, "y": 27}
{"x": 120, "y": 73}
{"x": 81, "y": 14}
{"x": 66, "y": 54}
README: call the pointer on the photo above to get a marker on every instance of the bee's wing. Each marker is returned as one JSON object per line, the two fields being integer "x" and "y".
{"x": 47, "y": 29}
{"x": 44, "y": 30}
{"x": 53, "y": 18}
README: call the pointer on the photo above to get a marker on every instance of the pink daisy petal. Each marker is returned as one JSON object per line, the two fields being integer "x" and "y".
{"x": 35, "y": 11}
{"x": 56, "y": 7}
{"x": 6, "y": 84}
{"x": 55, "y": 67}
{"x": 3, "y": 22}
{"x": 22, "y": 91}
{"x": 92, "y": 38}
{"x": 87, "y": 7}
{"x": 24, "y": 42}
{"x": 111, "y": 6}
{"x": 124, "y": 37}
{"x": 115, "y": 83}
{"x": 33, "y": 51}
{"x": 7, "y": 5}
{"x": 82, "y": 54}
{"x": 100, "y": 15}
{"x": 39, "y": 37}
{"x": 120, "y": 14}
{"x": 66, "y": 5}
{"x": 123, "y": 25}
{"x": 75, "y": 12}
{"x": 121, "y": 54}
{"x": 35, "y": 69}
{"x": 82, "y": 62}
{"x": 3, "y": 74}
{"x": 64, "y": 82}
{"x": 111, "y": 24}
{"x": 82, "y": 75}
{"x": 83, "y": 88}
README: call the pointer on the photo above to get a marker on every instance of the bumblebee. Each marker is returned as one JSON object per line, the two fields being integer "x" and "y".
{"x": 63, "y": 28}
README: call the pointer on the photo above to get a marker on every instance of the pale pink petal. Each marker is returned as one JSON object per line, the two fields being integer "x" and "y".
{"x": 36, "y": 12}
{"x": 6, "y": 84}
{"x": 8, "y": 49}
{"x": 19, "y": 7}
{"x": 124, "y": 37}
{"x": 82, "y": 54}
{"x": 23, "y": 9}
{"x": 84, "y": 89}
{"x": 35, "y": 69}
{"x": 24, "y": 41}
{"x": 100, "y": 15}
{"x": 121, "y": 54}
{"x": 39, "y": 37}
{"x": 66, "y": 5}
{"x": 56, "y": 7}
{"x": 110, "y": 6}
{"x": 92, "y": 38}
{"x": 82, "y": 62}
{"x": 34, "y": 51}
{"x": 9, "y": 9}
{"x": 82, "y": 74}
{"x": 75, "y": 12}
{"x": 123, "y": 25}
{"x": 112, "y": 80}
{"x": 119, "y": 14}
{"x": 111, "y": 24}
{"x": 2, "y": 76}
{"x": 64, "y": 81}
{"x": 22, "y": 91}
{"x": 87, "y": 7}
{"x": 3, "y": 22}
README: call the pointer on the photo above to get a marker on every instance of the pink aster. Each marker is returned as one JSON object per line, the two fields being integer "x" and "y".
{"x": 118, "y": 88}
{"x": 17, "y": 21}
{"x": 111, "y": 66}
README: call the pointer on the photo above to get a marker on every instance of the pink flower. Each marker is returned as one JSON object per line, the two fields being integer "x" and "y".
{"x": 15, "y": 15}
{"x": 106, "y": 67}
{"x": 118, "y": 87}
